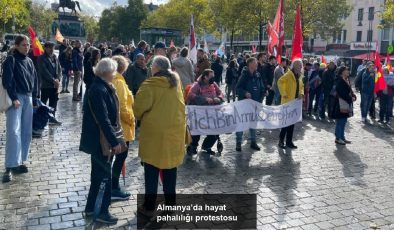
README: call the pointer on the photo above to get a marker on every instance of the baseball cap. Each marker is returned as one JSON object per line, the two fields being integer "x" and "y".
{"x": 160, "y": 45}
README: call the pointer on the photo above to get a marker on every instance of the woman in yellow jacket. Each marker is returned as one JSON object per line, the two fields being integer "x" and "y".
{"x": 290, "y": 87}
{"x": 160, "y": 107}
{"x": 127, "y": 121}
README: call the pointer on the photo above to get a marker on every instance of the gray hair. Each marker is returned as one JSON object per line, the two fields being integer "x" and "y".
{"x": 163, "y": 65}
{"x": 299, "y": 61}
{"x": 105, "y": 66}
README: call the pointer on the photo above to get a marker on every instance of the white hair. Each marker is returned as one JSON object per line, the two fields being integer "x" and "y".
{"x": 298, "y": 60}
{"x": 105, "y": 66}
{"x": 161, "y": 62}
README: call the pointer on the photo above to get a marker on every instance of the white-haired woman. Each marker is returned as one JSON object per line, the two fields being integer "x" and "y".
{"x": 160, "y": 107}
{"x": 290, "y": 87}
{"x": 101, "y": 106}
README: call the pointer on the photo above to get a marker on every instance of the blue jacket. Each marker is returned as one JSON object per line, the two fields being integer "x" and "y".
{"x": 19, "y": 76}
{"x": 250, "y": 83}
{"x": 77, "y": 56}
{"x": 368, "y": 83}
{"x": 103, "y": 103}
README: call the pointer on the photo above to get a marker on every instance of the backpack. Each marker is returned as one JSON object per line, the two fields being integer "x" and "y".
{"x": 358, "y": 81}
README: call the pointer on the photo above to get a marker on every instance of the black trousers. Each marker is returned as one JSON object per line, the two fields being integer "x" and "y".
{"x": 208, "y": 143}
{"x": 151, "y": 182}
{"x": 270, "y": 98}
{"x": 117, "y": 167}
{"x": 288, "y": 133}
{"x": 372, "y": 109}
{"x": 101, "y": 171}
{"x": 50, "y": 94}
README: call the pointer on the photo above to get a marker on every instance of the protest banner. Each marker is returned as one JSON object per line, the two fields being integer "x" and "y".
{"x": 240, "y": 116}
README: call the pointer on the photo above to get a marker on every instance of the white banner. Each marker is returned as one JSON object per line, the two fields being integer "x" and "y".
{"x": 240, "y": 116}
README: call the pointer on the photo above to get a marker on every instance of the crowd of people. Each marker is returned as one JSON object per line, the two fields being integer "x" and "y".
{"x": 129, "y": 88}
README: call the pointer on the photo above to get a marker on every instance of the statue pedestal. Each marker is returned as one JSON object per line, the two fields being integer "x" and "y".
{"x": 70, "y": 26}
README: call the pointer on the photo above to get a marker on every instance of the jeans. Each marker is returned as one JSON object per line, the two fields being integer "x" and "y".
{"x": 19, "y": 127}
{"x": 101, "y": 169}
{"x": 151, "y": 180}
{"x": 366, "y": 101}
{"x": 340, "y": 124}
{"x": 65, "y": 81}
{"x": 230, "y": 91}
{"x": 288, "y": 133}
{"x": 208, "y": 143}
{"x": 277, "y": 98}
{"x": 50, "y": 94}
{"x": 252, "y": 136}
{"x": 77, "y": 79}
{"x": 323, "y": 103}
{"x": 314, "y": 95}
{"x": 390, "y": 106}
{"x": 117, "y": 167}
{"x": 384, "y": 108}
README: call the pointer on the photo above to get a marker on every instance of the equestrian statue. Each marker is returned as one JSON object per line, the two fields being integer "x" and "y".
{"x": 69, "y": 4}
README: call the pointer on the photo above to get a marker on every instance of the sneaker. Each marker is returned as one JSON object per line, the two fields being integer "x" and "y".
{"x": 89, "y": 214}
{"x": 281, "y": 145}
{"x": 67, "y": 91}
{"x": 254, "y": 146}
{"x": 117, "y": 194}
{"x": 292, "y": 146}
{"x": 107, "y": 218}
{"x": 20, "y": 169}
{"x": 363, "y": 119}
{"x": 148, "y": 213}
{"x": 380, "y": 121}
{"x": 7, "y": 176}
{"x": 238, "y": 148}
{"x": 61, "y": 92}
{"x": 347, "y": 142}
{"x": 37, "y": 133}
{"x": 53, "y": 121}
{"x": 209, "y": 151}
{"x": 340, "y": 142}
{"x": 76, "y": 99}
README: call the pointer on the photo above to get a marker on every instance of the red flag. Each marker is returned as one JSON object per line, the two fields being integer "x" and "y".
{"x": 297, "y": 37}
{"x": 387, "y": 63}
{"x": 380, "y": 83}
{"x": 279, "y": 27}
{"x": 172, "y": 43}
{"x": 35, "y": 43}
{"x": 323, "y": 59}
{"x": 272, "y": 38}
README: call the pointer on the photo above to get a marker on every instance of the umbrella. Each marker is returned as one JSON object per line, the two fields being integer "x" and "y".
{"x": 99, "y": 199}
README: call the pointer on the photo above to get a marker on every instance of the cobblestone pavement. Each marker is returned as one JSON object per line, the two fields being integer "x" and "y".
{"x": 318, "y": 186}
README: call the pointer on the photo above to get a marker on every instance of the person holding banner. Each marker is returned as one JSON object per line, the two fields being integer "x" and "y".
{"x": 250, "y": 86}
{"x": 204, "y": 92}
{"x": 290, "y": 87}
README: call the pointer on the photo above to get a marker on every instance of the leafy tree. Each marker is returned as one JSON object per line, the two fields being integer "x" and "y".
{"x": 91, "y": 27}
{"x": 41, "y": 18}
{"x": 14, "y": 12}
{"x": 388, "y": 13}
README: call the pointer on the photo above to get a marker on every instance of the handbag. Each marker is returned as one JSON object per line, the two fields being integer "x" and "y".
{"x": 5, "y": 100}
{"x": 105, "y": 145}
{"x": 344, "y": 107}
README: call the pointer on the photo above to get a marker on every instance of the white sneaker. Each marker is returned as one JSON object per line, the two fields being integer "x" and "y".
{"x": 363, "y": 119}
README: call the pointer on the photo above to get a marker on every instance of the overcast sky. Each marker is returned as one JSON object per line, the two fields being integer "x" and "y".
{"x": 95, "y": 7}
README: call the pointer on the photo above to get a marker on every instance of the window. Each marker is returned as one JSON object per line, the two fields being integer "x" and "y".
{"x": 339, "y": 36}
{"x": 386, "y": 34}
{"x": 334, "y": 36}
{"x": 360, "y": 14}
{"x": 371, "y": 13}
{"x": 359, "y": 36}
{"x": 369, "y": 36}
{"x": 344, "y": 36}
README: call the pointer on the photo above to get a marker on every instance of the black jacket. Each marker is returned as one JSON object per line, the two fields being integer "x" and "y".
{"x": 250, "y": 83}
{"x": 345, "y": 92}
{"x": 19, "y": 76}
{"x": 77, "y": 57}
{"x": 231, "y": 76}
{"x": 135, "y": 76}
{"x": 103, "y": 103}
{"x": 217, "y": 68}
{"x": 328, "y": 80}
{"x": 47, "y": 71}
{"x": 268, "y": 73}
{"x": 88, "y": 75}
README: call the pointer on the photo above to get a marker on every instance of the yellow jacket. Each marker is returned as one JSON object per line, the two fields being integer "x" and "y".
{"x": 161, "y": 110}
{"x": 287, "y": 87}
{"x": 126, "y": 101}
